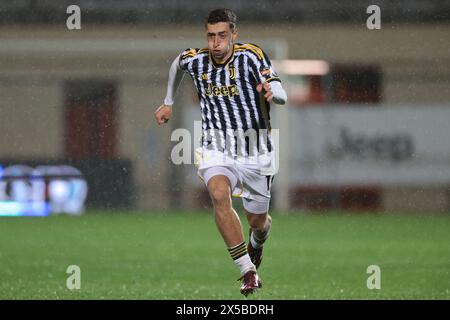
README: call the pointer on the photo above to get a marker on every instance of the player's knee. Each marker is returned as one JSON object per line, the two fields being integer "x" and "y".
{"x": 258, "y": 221}
{"x": 220, "y": 196}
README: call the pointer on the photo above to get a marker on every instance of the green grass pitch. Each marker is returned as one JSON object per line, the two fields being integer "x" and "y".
{"x": 181, "y": 256}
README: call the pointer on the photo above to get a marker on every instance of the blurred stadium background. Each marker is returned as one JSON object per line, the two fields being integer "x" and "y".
{"x": 366, "y": 128}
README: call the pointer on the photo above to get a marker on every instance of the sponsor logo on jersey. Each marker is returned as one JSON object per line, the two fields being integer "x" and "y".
{"x": 229, "y": 91}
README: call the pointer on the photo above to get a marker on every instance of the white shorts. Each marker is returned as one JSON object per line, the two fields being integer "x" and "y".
{"x": 250, "y": 178}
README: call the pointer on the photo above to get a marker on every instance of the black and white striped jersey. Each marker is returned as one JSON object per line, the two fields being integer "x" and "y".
{"x": 230, "y": 105}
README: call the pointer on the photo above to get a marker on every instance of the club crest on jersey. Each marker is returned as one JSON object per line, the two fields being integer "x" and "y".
{"x": 232, "y": 72}
{"x": 229, "y": 91}
{"x": 204, "y": 76}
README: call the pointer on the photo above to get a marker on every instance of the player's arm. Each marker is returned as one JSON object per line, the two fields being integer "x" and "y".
{"x": 273, "y": 91}
{"x": 269, "y": 82}
{"x": 164, "y": 112}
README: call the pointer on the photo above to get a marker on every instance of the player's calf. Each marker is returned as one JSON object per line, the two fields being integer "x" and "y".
{"x": 260, "y": 230}
{"x": 258, "y": 235}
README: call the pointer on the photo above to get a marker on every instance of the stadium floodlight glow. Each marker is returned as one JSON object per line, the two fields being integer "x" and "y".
{"x": 18, "y": 209}
{"x": 302, "y": 67}
{"x": 27, "y": 191}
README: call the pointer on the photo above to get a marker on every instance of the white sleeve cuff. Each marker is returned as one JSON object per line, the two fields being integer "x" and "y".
{"x": 279, "y": 95}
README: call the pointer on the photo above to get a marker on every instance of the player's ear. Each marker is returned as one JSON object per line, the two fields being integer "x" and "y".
{"x": 234, "y": 34}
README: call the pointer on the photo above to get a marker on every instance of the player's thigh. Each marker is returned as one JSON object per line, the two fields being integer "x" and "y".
{"x": 257, "y": 185}
{"x": 256, "y": 195}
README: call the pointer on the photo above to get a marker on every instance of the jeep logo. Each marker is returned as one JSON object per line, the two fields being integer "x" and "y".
{"x": 229, "y": 91}
{"x": 396, "y": 147}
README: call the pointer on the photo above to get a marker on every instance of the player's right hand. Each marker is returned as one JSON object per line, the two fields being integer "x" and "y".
{"x": 266, "y": 89}
{"x": 163, "y": 114}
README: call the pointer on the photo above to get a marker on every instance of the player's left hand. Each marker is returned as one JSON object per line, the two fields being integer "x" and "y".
{"x": 268, "y": 94}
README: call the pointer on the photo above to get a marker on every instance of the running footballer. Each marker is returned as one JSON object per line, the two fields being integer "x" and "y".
{"x": 236, "y": 83}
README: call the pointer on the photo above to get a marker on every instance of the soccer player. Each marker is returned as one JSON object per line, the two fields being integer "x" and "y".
{"x": 235, "y": 83}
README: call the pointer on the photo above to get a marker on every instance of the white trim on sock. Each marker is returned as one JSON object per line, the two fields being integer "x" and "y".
{"x": 245, "y": 264}
{"x": 255, "y": 244}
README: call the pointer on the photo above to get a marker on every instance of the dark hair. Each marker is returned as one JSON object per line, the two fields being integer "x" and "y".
{"x": 222, "y": 15}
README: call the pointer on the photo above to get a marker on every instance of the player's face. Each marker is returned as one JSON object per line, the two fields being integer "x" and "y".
{"x": 220, "y": 40}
